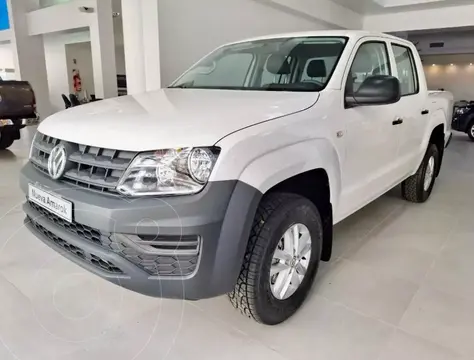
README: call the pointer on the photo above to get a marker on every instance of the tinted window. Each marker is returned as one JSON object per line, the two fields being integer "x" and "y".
{"x": 406, "y": 69}
{"x": 371, "y": 59}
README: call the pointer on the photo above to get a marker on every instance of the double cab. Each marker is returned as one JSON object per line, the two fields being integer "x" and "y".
{"x": 230, "y": 180}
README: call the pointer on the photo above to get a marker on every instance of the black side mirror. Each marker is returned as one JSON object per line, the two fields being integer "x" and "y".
{"x": 375, "y": 90}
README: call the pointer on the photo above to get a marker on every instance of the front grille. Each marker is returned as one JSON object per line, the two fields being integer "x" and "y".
{"x": 85, "y": 232}
{"x": 172, "y": 256}
{"x": 90, "y": 167}
{"x": 95, "y": 260}
{"x": 157, "y": 264}
{"x": 159, "y": 255}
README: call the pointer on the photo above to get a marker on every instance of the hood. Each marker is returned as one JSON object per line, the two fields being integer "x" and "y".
{"x": 170, "y": 118}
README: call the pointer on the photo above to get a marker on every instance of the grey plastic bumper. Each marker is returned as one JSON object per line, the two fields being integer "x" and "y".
{"x": 221, "y": 215}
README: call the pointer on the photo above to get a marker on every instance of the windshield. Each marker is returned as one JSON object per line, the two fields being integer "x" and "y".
{"x": 288, "y": 64}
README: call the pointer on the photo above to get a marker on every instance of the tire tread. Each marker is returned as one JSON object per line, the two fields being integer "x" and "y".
{"x": 412, "y": 188}
{"x": 243, "y": 296}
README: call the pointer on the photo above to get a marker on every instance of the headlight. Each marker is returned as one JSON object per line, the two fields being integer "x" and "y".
{"x": 461, "y": 111}
{"x": 169, "y": 172}
{"x": 32, "y": 145}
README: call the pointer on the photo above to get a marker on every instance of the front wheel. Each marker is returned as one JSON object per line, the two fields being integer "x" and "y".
{"x": 417, "y": 188}
{"x": 470, "y": 131}
{"x": 281, "y": 260}
{"x": 6, "y": 139}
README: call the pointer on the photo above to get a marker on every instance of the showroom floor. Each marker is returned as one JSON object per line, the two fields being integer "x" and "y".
{"x": 399, "y": 287}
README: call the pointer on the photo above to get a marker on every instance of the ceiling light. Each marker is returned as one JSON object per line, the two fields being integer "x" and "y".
{"x": 433, "y": 65}
{"x": 451, "y": 64}
{"x": 470, "y": 64}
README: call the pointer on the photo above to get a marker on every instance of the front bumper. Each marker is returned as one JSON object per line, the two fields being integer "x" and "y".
{"x": 19, "y": 122}
{"x": 109, "y": 236}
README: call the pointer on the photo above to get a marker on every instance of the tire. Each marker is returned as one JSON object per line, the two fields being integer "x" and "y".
{"x": 470, "y": 130}
{"x": 253, "y": 294}
{"x": 6, "y": 140}
{"x": 414, "y": 188}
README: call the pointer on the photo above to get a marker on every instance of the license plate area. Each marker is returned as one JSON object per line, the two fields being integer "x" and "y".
{"x": 51, "y": 202}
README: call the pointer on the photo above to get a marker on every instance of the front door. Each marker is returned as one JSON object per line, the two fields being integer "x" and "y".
{"x": 371, "y": 134}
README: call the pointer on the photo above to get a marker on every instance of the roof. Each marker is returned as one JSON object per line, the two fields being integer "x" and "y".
{"x": 356, "y": 34}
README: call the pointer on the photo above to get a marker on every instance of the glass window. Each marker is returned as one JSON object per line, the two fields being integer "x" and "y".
{"x": 406, "y": 69}
{"x": 270, "y": 78}
{"x": 281, "y": 64}
{"x": 232, "y": 69}
{"x": 324, "y": 72}
{"x": 371, "y": 59}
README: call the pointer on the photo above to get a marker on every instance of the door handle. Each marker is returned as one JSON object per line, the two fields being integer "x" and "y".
{"x": 397, "y": 121}
{"x": 425, "y": 112}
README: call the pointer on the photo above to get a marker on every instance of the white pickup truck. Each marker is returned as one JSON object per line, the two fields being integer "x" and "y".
{"x": 230, "y": 180}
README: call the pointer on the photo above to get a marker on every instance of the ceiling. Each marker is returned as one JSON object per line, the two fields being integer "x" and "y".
{"x": 392, "y": 6}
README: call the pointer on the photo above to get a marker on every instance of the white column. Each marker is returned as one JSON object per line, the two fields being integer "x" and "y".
{"x": 151, "y": 44}
{"x": 142, "y": 45}
{"x": 28, "y": 53}
{"x": 103, "y": 50}
{"x": 133, "y": 46}
{"x": 56, "y": 64}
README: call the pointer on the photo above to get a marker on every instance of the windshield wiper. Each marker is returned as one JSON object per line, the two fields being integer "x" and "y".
{"x": 185, "y": 85}
{"x": 293, "y": 87}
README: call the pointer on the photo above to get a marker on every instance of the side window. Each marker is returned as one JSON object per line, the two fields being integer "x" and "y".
{"x": 233, "y": 68}
{"x": 371, "y": 59}
{"x": 406, "y": 69}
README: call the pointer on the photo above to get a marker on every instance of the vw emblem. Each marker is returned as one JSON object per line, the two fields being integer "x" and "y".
{"x": 57, "y": 161}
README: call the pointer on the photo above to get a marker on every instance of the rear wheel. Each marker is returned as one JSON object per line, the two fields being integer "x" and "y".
{"x": 281, "y": 261}
{"x": 417, "y": 188}
{"x": 6, "y": 139}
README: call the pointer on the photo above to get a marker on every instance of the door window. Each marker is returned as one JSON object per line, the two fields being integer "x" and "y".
{"x": 371, "y": 59}
{"x": 406, "y": 69}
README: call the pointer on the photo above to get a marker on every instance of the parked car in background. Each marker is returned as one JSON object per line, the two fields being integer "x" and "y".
{"x": 463, "y": 118}
{"x": 230, "y": 180}
{"x": 17, "y": 110}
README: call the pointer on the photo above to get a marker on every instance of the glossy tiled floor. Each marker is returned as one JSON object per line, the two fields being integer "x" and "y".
{"x": 400, "y": 287}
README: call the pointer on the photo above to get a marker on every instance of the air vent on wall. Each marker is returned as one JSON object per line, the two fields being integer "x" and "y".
{"x": 436, "y": 44}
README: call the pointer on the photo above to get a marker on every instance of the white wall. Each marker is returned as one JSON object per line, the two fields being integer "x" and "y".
{"x": 82, "y": 53}
{"x": 454, "y": 42}
{"x": 56, "y": 66}
{"x": 190, "y": 31}
{"x": 443, "y": 17}
{"x": 326, "y": 11}
{"x": 61, "y": 17}
{"x": 46, "y": 3}
{"x": 457, "y": 78}
{"x": 6, "y": 57}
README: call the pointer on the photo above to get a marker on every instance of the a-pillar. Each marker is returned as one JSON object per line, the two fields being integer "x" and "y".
{"x": 28, "y": 53}
{"x": 103, "y": 50}
{"x": 142, "y": 45}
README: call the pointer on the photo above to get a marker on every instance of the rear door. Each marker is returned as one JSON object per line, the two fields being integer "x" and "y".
{"x": 371, "y": 139}
{"x": 409, "y": 109}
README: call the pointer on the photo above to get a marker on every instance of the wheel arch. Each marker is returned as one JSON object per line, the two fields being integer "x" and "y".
{"x": 310, "y": 169}
{"x": 315, "y": 186}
